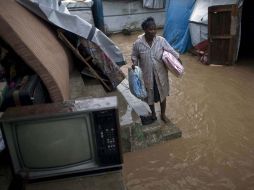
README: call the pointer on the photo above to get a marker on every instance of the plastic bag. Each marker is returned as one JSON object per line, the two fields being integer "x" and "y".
{"x": 136, "y": 83}
{"x": 173, "y": 64}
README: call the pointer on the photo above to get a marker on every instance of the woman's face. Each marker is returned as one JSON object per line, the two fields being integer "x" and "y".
{"x": 150, "y": 31}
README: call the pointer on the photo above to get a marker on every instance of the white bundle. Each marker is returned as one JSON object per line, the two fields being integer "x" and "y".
{"x": 173, "y": 64}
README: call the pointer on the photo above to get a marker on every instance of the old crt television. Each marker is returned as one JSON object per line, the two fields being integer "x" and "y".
{"x": 62, "y": 139}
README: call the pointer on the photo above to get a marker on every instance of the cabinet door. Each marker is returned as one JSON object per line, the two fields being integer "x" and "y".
{"x": 223, "y": 31}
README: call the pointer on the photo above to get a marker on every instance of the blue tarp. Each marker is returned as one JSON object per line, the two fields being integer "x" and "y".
{"x": 176, "y": 29}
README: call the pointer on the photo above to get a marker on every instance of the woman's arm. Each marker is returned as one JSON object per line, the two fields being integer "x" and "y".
{"x": 169, "y": 48}
{"x": 134, "y": 55}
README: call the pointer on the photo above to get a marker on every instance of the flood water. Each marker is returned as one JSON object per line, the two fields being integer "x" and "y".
{"x": 213, "y": 106}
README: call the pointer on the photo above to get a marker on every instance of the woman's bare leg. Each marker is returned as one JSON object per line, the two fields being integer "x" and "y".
{"x": 153, "y": 111}
{"x": 163, "y": 111}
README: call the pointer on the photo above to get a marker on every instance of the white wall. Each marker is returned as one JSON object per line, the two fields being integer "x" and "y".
{"x": 120, "y": 14}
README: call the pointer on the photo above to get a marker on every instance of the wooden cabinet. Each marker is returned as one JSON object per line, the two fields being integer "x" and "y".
{"x": 223, "y": 34}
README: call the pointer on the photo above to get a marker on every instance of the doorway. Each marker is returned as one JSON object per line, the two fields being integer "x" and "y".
{"x": 247, "y": 30}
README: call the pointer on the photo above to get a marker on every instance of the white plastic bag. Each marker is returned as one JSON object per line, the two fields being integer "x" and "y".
{"x": 136, "y": 82}
{"x": 173, "y": 64}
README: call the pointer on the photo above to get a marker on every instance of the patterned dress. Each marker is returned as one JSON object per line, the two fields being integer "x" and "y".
{"x": 149, "y": 60}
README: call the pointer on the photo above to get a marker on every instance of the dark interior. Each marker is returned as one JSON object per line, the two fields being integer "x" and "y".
{"x": 247, "y": 30}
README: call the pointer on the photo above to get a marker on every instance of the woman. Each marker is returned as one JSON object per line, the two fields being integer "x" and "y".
{"x": 147, "y": 53}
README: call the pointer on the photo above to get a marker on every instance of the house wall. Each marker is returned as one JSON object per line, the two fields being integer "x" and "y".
{"x": 128, "y": 14}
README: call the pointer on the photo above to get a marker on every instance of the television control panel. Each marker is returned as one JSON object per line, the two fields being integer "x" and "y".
{"x": 106, "y": 129}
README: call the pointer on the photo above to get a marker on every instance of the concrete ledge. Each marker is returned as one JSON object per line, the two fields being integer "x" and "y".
{"x": 136, "y": 136}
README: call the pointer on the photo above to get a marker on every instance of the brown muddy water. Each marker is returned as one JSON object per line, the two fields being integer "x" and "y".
{"x": 214, "y": 108}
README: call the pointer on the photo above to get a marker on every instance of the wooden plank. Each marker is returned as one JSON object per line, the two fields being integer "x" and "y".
{"x": 221, "y": 8}
{"x": 76, "y": 52}
{"x": 232, "y": 43}
{"x": 221, "y": 37}
{"x": 88, "y": 73}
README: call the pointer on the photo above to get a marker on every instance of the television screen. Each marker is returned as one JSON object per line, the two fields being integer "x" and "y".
{"x": 54, "y": 143}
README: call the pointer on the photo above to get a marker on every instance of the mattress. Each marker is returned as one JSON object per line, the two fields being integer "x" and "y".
{"x": 37, "y": 44}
